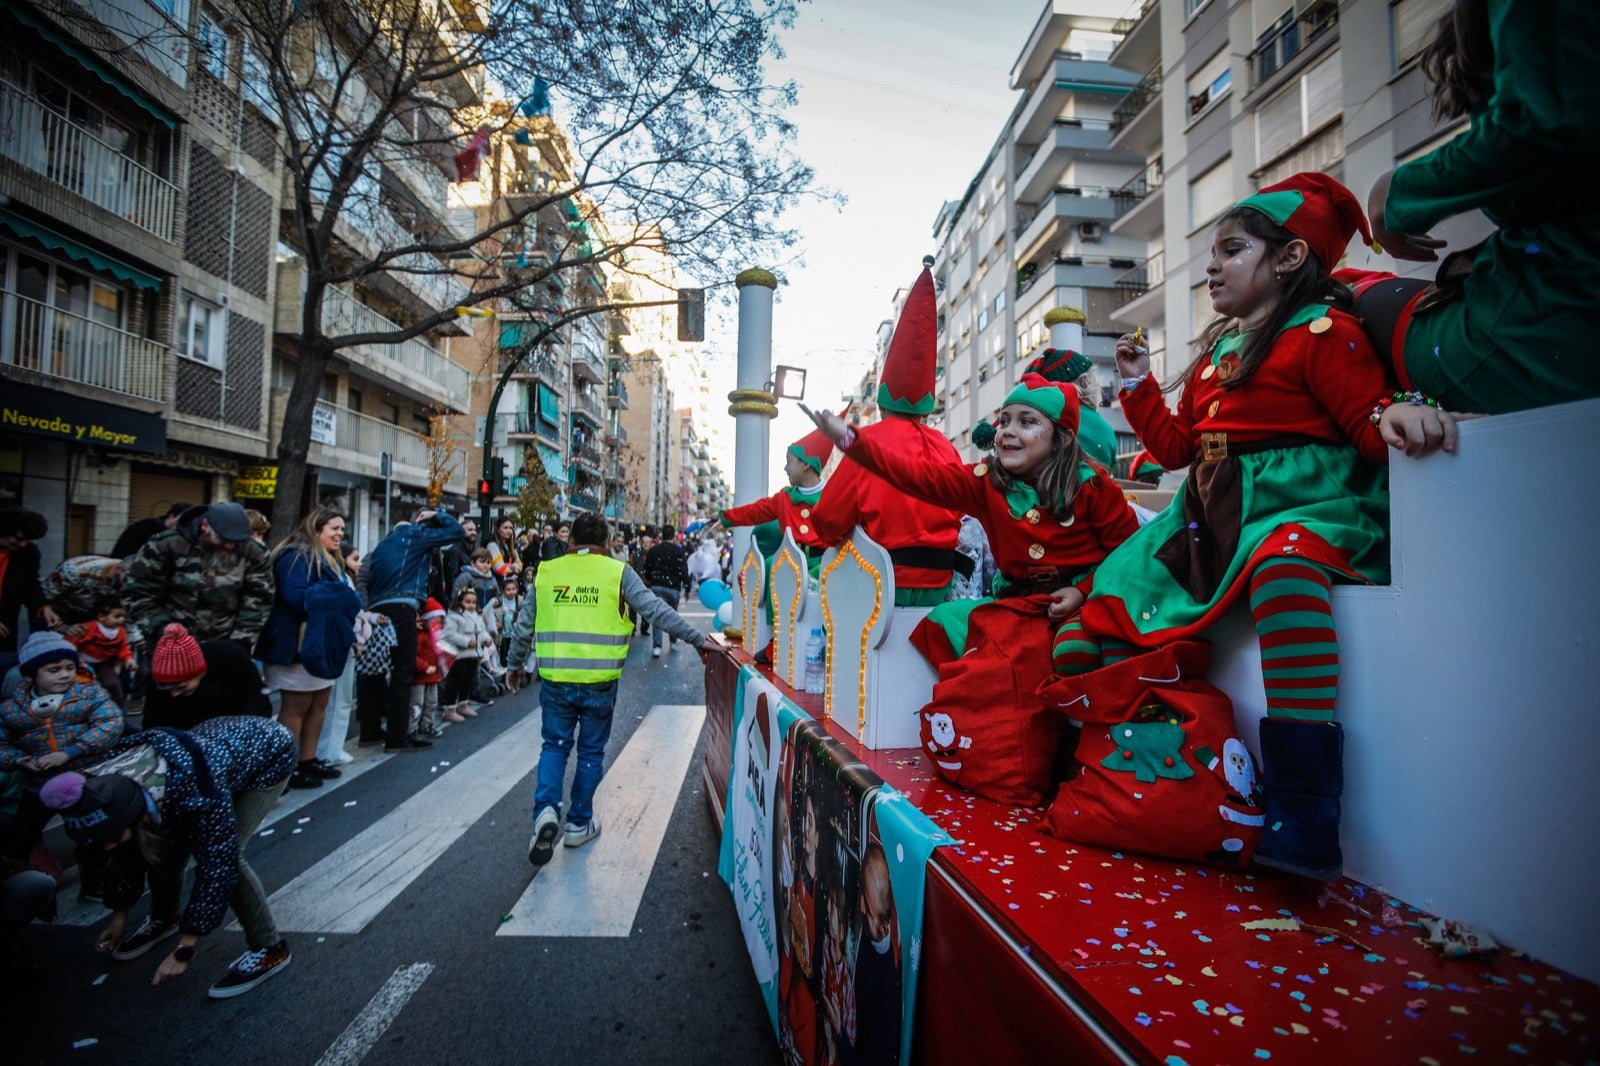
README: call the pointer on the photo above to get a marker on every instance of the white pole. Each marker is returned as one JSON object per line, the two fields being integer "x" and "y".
{"x": 751, "y": 405}
{"x": 1066, "y": 328}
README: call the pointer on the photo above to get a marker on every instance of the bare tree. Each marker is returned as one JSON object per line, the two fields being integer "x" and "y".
{"x": 667, "y": 122}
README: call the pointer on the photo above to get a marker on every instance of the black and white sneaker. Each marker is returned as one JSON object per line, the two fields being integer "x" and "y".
{"x": 148, "y": 935}
{"x": 250, "y": 969}
{"x": 546, "y": 827}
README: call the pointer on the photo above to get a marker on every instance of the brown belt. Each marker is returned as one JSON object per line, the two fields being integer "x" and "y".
{"x": 1217, "y": 446}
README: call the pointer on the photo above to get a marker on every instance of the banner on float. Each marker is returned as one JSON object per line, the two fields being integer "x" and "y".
{"x": 850, "y": 858}
{"x": 745, "y": 861}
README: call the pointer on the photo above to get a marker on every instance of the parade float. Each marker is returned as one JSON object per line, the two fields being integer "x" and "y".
{"x": 890, "y": 915}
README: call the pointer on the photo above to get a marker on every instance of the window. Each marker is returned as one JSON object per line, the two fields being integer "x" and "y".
{"x": 1210, "y": 194}
{"x": 1209, "y": 83}
{"x": 1412, "y": 23}
{"x": 983, "y": 319}
{"x": 1192, "y": 7}
{"x": 1200, "y": 299}
{"x": 1000, "y": 302}
{"x": 254, "y": 81}
{"x": 1307, "y": 105}
{"x": 212, "y": 44}
{"x": 205, "y": 328}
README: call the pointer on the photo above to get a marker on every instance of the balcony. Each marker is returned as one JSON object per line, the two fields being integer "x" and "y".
{"x": 1067, "y": 205}
{"x": 1067, "y": 139}
{"x": 617, "y": 396}
{"x": 1291, "y": 35}
{"x": 586, "y": 404}
{"x": 413, "y": 367}
{"x": 75, "y": 349}
{"x": 528, "y": 425}
{"x": 584, "y": 501}
{"x": 588, "y": 364}
{"x": 588, "y": 459}
{"x": 1143, "y": 280}
{"x": 75, "y": 159}
{"x": 1141, "y": 36}
{"x": 1067, "y": 72}
{"x": 1136, "y": 122}
{"x": 1068, "y": 271}
{"x": 1139, "y": 202}
{"x": 353, "y": 442}
{"x": 540, "y": 363}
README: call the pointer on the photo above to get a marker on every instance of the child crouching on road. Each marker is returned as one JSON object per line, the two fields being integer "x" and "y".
{"x": 573, "y": 635}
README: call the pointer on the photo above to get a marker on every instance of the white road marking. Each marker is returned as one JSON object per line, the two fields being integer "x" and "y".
{"x": 295, "y": 798}
{"x": 347, "y": 889}
{"x": 368, "y": 1027}
{"x": 595, "y": 890}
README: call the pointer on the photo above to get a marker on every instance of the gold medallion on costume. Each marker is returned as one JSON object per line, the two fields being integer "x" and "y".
{"x": 804, "y": 528}
{"x": 805, "y": 512}
{"x": 980, "y": 470}
{"x": 1032, "y": 516}
{"x": 1223, "y": 370}
{"x": 1216, "y": 405}
{"x": 1321, "y": 325}
{"x": 1205, "y": 375}
{"x": 1036, "y": 551}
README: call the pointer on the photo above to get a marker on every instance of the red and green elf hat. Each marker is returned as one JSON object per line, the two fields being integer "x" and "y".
{"x": 908, "y": 370}
{"x": 1318, "y": 210}
{"x": 1053, "y": 373}
{"x": 814, "y": 449}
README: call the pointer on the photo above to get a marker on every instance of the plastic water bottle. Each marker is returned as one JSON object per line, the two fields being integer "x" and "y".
{"x": 815, "y": 679}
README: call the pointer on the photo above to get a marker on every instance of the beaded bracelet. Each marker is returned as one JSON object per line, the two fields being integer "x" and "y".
{"x": 1414, "y": 398}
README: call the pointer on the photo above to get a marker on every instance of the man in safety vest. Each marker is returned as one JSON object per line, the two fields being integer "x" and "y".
{"x": 578, "y": 630}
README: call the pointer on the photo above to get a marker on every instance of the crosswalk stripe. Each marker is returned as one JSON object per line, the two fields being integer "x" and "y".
{"x": 347, "y": 889}
{"x": 364, "y": 1031}
{"x": 595, "y": 890}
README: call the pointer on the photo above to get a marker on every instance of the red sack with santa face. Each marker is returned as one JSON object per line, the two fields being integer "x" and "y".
{"x": 1160, "y": 767}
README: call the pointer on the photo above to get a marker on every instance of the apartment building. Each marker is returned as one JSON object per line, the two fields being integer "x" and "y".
{"x": 1235, "y": 96}
{"x": 138, "y": 207}
{"x": 1033, "y": 231}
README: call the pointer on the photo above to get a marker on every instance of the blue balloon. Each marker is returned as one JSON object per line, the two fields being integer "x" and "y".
{"x": 714, "y": 594}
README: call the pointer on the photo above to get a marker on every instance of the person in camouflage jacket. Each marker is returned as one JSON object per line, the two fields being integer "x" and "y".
{"x": 200, "y": 574}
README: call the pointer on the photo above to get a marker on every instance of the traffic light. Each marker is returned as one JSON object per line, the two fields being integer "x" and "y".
{"x": 691, "y": 314}
{"x": 485, "y": 489}
{"x": 497, "y": 475}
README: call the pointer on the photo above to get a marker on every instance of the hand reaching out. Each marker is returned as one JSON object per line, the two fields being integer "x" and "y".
{"x": 833, "y": 427}
{"x": 1418, "y": 247}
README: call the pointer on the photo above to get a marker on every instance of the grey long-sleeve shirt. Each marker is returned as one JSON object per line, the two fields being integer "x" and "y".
{"x": 634, "y": 592}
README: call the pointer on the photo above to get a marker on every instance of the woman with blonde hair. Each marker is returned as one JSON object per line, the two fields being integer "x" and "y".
{"x": 309, "y": 633}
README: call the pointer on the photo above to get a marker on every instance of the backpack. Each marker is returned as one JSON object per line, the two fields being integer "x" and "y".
{"x": 374, "y": 657}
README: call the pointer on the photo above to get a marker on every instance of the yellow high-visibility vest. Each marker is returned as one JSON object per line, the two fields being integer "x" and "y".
{"x": 580, "y": 633}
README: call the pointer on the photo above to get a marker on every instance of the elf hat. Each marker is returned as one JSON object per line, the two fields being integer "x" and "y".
{"x": 177, "y": 657}
{"x": 1318, "y": 210}
{"x": 908, "y": 370}
{"x": 1045, "y": 379}
{"x": 815, "y": 449}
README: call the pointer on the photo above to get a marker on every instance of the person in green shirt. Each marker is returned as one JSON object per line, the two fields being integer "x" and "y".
{"x": 1521, "y": 333}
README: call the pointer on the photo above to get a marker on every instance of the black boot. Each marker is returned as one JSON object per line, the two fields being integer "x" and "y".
{"x": 1302, "y": 778}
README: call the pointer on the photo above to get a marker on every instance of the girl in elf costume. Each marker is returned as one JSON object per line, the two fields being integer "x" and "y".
{"x": 1283, "y": 420}
{"x": 1051, "y": 514}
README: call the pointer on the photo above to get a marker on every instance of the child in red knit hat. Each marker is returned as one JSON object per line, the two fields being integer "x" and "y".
{"x": 1285, "y": 421}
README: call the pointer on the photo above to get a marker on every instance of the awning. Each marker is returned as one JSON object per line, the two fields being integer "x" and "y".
{"x": 99, "y": 69}
{"x": 552, "y": 465}
{"x": 73, "y": 250}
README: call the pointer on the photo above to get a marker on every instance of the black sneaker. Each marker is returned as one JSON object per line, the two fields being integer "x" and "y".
{"x": 250, "y": 969}
{"x": 406, "y": 745}
{"x": 303, "y": 778}
{"x": 148, "y": 935}
{"x": 325, "y": 770}
{"x": 367, "y": 742}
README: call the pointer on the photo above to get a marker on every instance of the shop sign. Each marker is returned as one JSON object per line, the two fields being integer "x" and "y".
{"x": 324, "y": 430}
{"x": 256, "y": 482}
{"x": 47, "y": 413}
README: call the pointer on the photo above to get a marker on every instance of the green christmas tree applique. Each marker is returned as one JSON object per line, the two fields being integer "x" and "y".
{"x": 1149, "y": 750}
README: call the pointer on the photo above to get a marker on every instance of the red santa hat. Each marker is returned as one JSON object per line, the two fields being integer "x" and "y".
{"x": 1318, "y": 210}
{"x": 908, "y": 370}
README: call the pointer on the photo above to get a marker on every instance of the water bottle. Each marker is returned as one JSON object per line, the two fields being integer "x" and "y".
{"x": 815, "y": 679}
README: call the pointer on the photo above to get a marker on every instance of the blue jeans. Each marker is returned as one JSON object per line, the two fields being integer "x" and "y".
{"x": 671, "y": 598}
{"x": 566, "y": 708}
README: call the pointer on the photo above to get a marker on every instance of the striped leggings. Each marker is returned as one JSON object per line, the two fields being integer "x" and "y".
{"x": 1289, "y": 600}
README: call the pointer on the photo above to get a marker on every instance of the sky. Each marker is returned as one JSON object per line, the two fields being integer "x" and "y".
{"x": 899, "y": 104}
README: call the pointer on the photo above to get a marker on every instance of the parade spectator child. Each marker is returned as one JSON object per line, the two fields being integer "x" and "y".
{"x": 103, "y": 645}
{"x": 1051, "y": 515}
{"x": 479, "y": 576}
{"x": 375, "y": 650}
{"x": 1284, "y": 416}
{"x": 467, "y": 637}
{"x": 504, "y": 608}
{"x": 426, "y": 716}
{"x": 54, "y": 721}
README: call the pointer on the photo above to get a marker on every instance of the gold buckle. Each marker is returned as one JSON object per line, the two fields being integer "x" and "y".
{"x": 1213, "y": 446}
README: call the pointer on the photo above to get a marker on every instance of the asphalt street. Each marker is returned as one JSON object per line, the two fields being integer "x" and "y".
{"x": 420, "y": 934}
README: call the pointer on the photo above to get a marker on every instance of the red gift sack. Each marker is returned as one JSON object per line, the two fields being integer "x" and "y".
{"x": 1160, "y": 767}
{"x": 986, "y": 728}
